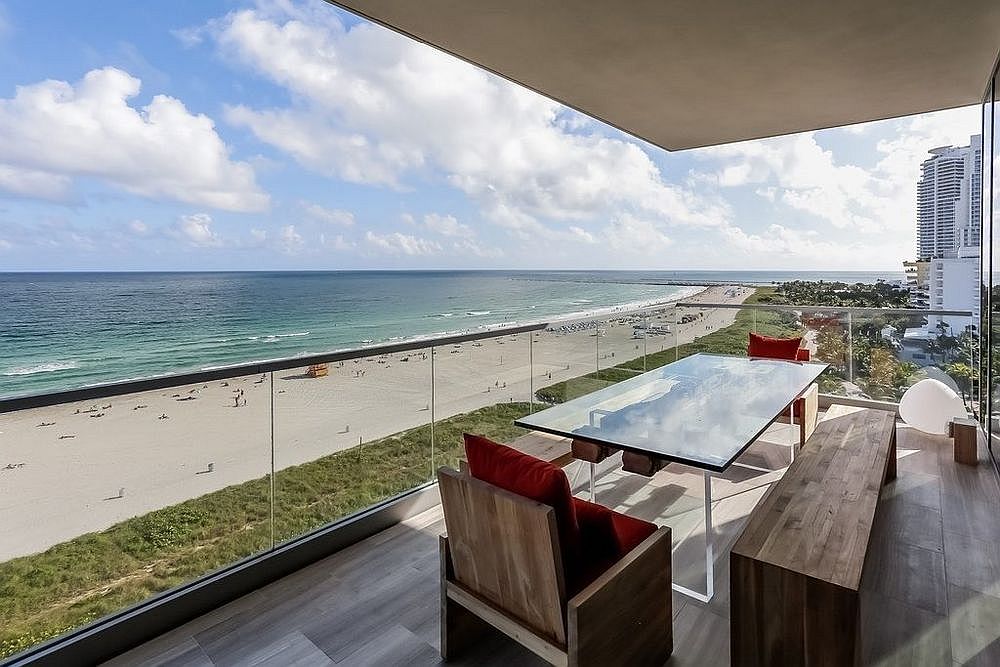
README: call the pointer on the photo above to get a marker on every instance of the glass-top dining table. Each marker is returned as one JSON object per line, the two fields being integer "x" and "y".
{"x": 701, "y": 411}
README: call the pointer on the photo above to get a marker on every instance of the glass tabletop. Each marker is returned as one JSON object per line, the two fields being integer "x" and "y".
{"x": 703, "y": 410}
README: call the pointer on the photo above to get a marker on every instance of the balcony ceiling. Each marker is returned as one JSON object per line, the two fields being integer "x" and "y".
{"x": 683, "y": 74}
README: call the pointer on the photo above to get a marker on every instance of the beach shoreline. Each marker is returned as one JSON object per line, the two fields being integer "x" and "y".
{"x": 82, "y": 467}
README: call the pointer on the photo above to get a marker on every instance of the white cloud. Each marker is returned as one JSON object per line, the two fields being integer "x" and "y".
{"x": 59, "y": 131}
{"x": 33, "y": 183}
{"x": 138, "y": 227}
{"x": 470, "y": 247}
{"x": 642, "y": 237}
{"x": 396, "y": 243}
{"x": 258, "y": 236}
{"x": 290, "y": 240}
{"x": 188, "y": 37}
{"x": 797, "y": 171}
{"x": 370, "y": 106}
{"x": 582, "y": 234}
{"x": 333, "y": 216}
{"x": 5, "y": 245}
{"x": 338, "y": 243}
{"x": 196, "y": 230}
{"x": 447, "y": 225}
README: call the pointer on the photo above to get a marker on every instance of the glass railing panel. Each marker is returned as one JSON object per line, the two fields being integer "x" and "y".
{"x": 891, "y": 352}
{"x": 826, "y": 335}
{"x": 107, "y": 502}
{"x": 565, "y": 361}
{"x": 658, "y": 337}
{"x": 703, "y": 328}
{"x": 349, "y": 435}
{"x": 619, "y": 351}
{"x": 480, "y": 387}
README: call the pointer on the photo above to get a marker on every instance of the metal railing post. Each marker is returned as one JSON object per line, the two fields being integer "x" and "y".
{"x": 850, "y": 347}
{"x": 677, "y": 350}
{"x": 433, "y": 453}
{"x": 271, "y": 383}
{"x": 531, "y": 372}
{"x": 597, "y": 350}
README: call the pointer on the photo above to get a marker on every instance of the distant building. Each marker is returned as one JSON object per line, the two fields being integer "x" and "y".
{"x": 918, "y": 283}
{"x": 954, "y": 285}
{"x": 949, "y": 214}
{"x": 945, "y": 275}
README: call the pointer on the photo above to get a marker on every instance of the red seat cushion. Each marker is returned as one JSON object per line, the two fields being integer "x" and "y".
{"x": 802, "y": 354}
{"x": 529, "y": 477}
{"x": 606, "y": 537}
{"x": 592, "y": 537}
{"x": 773, "y": 348}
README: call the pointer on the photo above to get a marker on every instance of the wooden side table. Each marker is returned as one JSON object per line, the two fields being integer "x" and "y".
{"x": 965, "y": 433}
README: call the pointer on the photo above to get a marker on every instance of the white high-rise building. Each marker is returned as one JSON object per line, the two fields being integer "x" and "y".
{"x": 949, "y": 216}
{"x": 949, "y": 221}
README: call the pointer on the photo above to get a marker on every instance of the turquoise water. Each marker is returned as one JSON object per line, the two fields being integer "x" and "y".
{"x": 68, "y": 330}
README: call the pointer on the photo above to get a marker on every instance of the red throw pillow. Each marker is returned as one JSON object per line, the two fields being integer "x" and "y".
{"x": 529, "y": 477}
{"x": 773, "y": 348}
{"x": 802, "y": 354}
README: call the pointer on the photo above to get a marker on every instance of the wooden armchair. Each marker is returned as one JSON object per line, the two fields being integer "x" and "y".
{"x": 502, "y": 565}
{"x": 805, "y": 409}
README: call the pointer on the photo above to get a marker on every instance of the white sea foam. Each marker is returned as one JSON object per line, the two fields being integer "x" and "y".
{"x": 50, "y": 367}
{"x": 270, "y": 338}
{"x": 479, "y": 312}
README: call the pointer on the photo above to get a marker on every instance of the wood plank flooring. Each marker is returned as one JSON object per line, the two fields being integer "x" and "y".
{"x": 931, "y": 594}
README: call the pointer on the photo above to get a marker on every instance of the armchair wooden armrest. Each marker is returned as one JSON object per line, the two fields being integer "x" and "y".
{"x": 624, "y": 616}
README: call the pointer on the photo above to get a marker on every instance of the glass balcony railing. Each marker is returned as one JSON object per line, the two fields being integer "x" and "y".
{"x": 114, "y": 494}
{"x": 873, "y": 353}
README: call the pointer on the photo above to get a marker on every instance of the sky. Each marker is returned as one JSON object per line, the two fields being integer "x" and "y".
{"x": 290, "y": 134}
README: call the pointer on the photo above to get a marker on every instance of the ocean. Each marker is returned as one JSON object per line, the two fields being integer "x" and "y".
{"x": 68, "y": 330}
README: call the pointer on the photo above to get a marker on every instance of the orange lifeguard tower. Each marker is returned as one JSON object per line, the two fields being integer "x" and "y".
{"x": 318, "y": 371}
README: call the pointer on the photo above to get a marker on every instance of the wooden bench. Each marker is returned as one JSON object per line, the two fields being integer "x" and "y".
{"x": 796, "y": 568}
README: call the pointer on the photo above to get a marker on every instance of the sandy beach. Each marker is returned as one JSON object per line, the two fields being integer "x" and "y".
{"x": 76, "y": 468}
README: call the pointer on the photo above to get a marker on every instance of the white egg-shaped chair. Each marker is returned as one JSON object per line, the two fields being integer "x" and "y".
{"x": 930, "y": 405}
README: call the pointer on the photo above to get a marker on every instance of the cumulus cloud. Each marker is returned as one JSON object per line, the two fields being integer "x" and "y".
{"x": 33, "y": 183}
{"x": 54, "y": 132}
{"x": 466, "y": 247}
{"x": 630, "y": 234}
{"x": 333, "y": 216}
{"x": 291, "y": 241}
{"x": 447, "y": 225}
{"x": 797, "y": 171}
{"x": 370, "y": 106}
{"x": 396, "y": 243}
{"x": 196, "y": 230}
{"x": 582, "y": 234}
{"x": 338, "y": 243}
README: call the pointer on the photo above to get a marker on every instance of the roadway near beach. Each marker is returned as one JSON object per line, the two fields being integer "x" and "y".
{"x": 76, "y": 468}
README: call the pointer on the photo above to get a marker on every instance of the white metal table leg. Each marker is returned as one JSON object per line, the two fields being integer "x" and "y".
{"x": 593, "y": 489}
{"x": 709, "y": 540}
{"x": 791, "y": 421}
{"x": 709, "y": 551}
